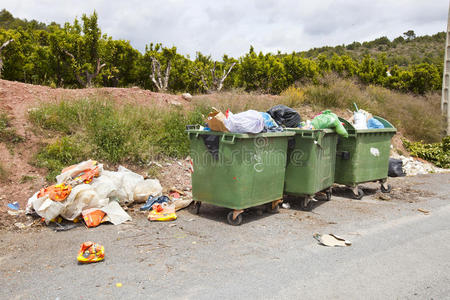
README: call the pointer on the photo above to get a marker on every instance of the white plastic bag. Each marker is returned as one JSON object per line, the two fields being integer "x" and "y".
{"x": 249, "y": 121}
{"x": 359, "y": 119}
{"x": 149, "y": 187}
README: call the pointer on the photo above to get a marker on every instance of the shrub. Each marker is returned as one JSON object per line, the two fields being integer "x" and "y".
{"x": 437, "y": 153}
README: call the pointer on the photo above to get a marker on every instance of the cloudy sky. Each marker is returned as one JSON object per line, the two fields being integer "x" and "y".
{"x": 230, "y": 27}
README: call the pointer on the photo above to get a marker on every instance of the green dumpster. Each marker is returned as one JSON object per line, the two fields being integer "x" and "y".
{"x": 310, "y": 165}
{"x": 364, "y": 156}
{"x": 237, "y": 171}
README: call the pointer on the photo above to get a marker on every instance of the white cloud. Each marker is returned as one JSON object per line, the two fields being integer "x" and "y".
{"x": 230, "y": 27}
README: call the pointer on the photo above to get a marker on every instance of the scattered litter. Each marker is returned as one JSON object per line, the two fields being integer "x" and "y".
{"x": 424, "y": 211}
{"x": 162, "y": 212}
{"x": 396, "y": 168}
{"x": 90, "y": 252}
{"x": 194, "y": 242}
{"x": 286, "y": 205}
{"x": 331, "y": 240}
{"x": 118, "y": 284}
{"x": 383, "y": 196}
{"x": 172, "y": 225}
{"x": 20, "y": 225}
{"x": 67, "y": 227}
{"x": 115, "y": 213}
{"x": 14, "y": 205}
{"x": 152, "y": 200}
{"x": 92, "y": 217}
{"x": 413, "y": 166}
{"x": 15, "y": 212}
{"x": 149, "y": 187}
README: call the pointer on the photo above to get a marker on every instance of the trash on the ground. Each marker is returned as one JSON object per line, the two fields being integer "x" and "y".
{"x": 56, "y": 192}
{"x": 91, "y": 252}
{"x": 162, "y": 212}
{"x": 285, "y": 116}
{"x": 396, "y": 168}
{"x": 149, "y": 187}
{"x": 383, "y": 196}
{"x": 175, "y": 195}
{"x": 20, "y": 225}
{"x": 92, "y": 217}
{"x": 249, "y": 121}
{"x": 331, "y": 240}
{"x": 216, "y": 121}
{"x": 119, "y": 284}
{"x": 424, "y": 211}
{"x": 286, "y": 205}
{"x": 86, "y": 186}
{"x": 115, "y": 213}
{"x": 182, "y": 203}
{"x": 327, "y": 119}
{"x": 182, "y": 193}
{"x": 15, "y": 212}
{"x": 413, "y": 166}
{"x": 152, "y": 200}
{"x": 58, "y": 227}
{"x": 14, "y": 205}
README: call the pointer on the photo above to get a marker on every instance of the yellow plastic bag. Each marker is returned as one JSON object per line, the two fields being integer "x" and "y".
{"x": 91, "y": 252}
{"x": 162, "y": 212}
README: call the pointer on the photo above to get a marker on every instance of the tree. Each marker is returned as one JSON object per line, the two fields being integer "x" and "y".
{"x": 1, "y": 59}
{"x": 83, "y": 49}
{"x": 409, "y": 35}
{"x": 207, "y": 71}
{"x": 160, "y": 57}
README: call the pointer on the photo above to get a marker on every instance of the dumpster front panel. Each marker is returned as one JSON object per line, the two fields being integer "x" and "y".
{"x": 247, "y": 172}
{"x": 311, "y": 162}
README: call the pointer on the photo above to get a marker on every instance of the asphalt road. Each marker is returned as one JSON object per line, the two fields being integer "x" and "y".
{"x": 397, "y": 252}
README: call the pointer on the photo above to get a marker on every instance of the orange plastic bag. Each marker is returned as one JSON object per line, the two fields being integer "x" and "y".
{"x": 57, "y": 192}
{"x": 93, "y": 218}
{"x": 91, "y": 252}
{"x": 86, "y": 176}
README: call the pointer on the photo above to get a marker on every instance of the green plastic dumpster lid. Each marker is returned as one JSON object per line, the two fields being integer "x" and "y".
{"x": 388, "y": 127}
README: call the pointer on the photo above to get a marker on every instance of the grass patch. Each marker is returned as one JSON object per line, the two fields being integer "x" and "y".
{"x": 26, "y": 178}
{"x": 102, "y": 130}
{"x": 3, "y": 173}
{"x": 7, "y": 133}
{"x": 417, "y": 117}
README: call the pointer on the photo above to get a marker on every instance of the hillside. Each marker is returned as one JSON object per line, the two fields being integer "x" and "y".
{"x": 402, "y": 51}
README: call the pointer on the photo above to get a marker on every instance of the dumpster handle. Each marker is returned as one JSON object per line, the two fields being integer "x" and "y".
{"x": 227, "y": 141}
{"x": 307, "y": 135}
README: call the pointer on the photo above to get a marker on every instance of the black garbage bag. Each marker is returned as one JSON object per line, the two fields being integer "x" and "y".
{"x": 396, "y": 168}
{"x": 285, "y": 116}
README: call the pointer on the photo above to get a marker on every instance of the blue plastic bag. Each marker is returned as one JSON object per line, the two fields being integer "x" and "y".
{"x": 374, "y": 124}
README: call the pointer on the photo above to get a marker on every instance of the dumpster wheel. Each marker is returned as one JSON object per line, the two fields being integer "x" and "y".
{"x": 234, "y": 217}
{"x": 328, "y": 194}
{"x": 386, "y": 189}
{"x": 358, "y": 193}
{"x": 306, "y": 203}
{"x": 273, "y": 207}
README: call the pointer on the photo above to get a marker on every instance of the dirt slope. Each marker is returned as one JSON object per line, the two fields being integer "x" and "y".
{"x": 17, "y": 98}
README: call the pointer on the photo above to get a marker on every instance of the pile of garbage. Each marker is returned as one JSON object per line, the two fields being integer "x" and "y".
{"x": 412, "y": 166}
{"x": 274, "y": 120}
{"x": 86, "y": 191}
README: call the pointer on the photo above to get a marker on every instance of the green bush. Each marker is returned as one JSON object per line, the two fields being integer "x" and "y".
{"x": 101, "y": 130}
{"x": 437, "y": 153}
{"x": 8, "y": 134}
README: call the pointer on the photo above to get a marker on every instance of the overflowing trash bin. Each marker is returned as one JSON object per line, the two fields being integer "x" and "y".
{"x": 238, "y": 170}
{"x": 364, "y": 156}
{"x": 310, "y": 164}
